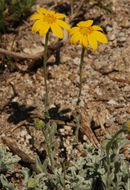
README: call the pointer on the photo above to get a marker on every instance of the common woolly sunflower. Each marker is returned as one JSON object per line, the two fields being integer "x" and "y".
{"x": 86, "y": 34}
{"x": 46, "y": 20}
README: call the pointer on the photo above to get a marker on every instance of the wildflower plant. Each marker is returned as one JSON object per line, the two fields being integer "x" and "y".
{"x": 86, "y": 34}
{"x": 48, "y": 21}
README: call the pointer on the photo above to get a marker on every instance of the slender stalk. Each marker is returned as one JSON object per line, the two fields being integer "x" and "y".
{"x": 45, "y": 76}
{"x": 72, "y": 7}
{"x": 78, "y": 117}
{"x": 80, "y": 75}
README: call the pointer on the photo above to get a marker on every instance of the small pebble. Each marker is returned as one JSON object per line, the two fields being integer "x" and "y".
{"x": 67, "y": 82}
{"x": 111, "y": 36}
{"x": 112, "y": 102}
{"x": 65, "y": 59}
{"x": 68, "y": 128}
{"x": 122, "y": 39}
{"x": 23, "y": 133}
{"x": 76, "y": 61}
{"x": 85, "y": 138}
{"x": 125, "y": 23}
{"x": 62, "y": 131}
{"x": 109, "y": 28}
{"x": 28, "y": 137}
{"x": 29, "y": 102}
{"x": 74, "y": 101}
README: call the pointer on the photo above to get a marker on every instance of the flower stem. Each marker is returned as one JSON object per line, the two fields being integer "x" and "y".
{"x": 72, "y": 7}
{"x": 80, "y": 75}
{"x": 45, "y": 76}
{"x": 78, "y": 117}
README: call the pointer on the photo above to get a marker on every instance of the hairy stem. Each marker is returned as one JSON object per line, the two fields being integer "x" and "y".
{"x": 80, "y": 75}
{"x": 45, "y": 76}
{"x": 72, "y": 7}
{"x": 78, "y": 117}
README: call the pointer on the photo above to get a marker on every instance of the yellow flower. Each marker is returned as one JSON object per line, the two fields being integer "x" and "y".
{"x": 86, "y": 34}
{"x": 46, "y": 20}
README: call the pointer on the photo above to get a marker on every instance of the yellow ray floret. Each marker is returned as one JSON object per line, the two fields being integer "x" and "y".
{"x": 86, "y": 34}
{"x": 46, "y": 20}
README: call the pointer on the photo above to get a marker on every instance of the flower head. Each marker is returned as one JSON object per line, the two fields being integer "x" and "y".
{"x": 46, "y": 20}
{"x": 86, "y": 34}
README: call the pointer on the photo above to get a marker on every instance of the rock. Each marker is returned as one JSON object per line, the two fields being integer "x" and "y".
{"x": 122, "y": 39}
{"x": 68, "y": 128}
{"x": 109, "y": 28}
{"x": 111, "y": 36}
{"x": 76, "y": 61}
{"x": 23, "y": 133}
{"x": 65, "y": 59}
{"x": 29, "y": 101}
{"x": 67, "y": 82}
{"x": 125, "y": 23}
{"x": 116, "y": 60}
{"x": 112, "y": 102}
{"x": 120, "y": 77}
{"x": 28, "y": 137}
{"x": 128, "y": 110}
{"x": 104, "y": 66}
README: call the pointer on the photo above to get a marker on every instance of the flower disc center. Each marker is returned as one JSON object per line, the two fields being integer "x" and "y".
{"x": 86, "y": 30}
{"x": 50, "y": 18}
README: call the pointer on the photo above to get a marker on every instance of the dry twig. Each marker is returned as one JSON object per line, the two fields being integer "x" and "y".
{"x": 17, "y": 55}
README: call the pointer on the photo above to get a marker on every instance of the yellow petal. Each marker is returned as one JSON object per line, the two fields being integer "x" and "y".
{"x": 42, "y": 10}
{"x": 85, "y": 23}
{"x": 81, "y": 39}
{"x": 75, "y": 38}
{"x": 42, "y": 33}
{"x": 88, "y": 23}
{"x": 85, "y": 41}
{"x": 44, "y": 30}
{"x": 74, "y": 30}
{"x": 92, "y": 41}
{"x": 37, "y": 26}
{"x": 63, "y": 24}
{"x": 100, "y": 37}
{"x": 60, "y": 15}
{"x": 95, "y": 27}
{"x": 36, "y": 16}
{"x": 50, "y": 12}
{"x": 57, "y": 30}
